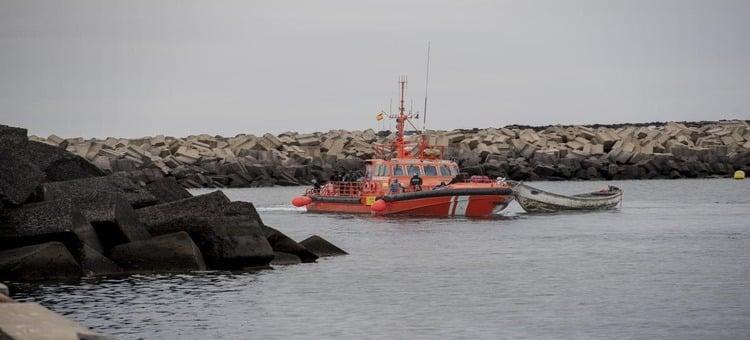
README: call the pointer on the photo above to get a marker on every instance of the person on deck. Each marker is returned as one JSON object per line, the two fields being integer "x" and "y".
{"x": 316, "y": 186}
{"x": 395, "y": 186}
{"x": 416, "y": 182}
{"x": 442, "y": 185}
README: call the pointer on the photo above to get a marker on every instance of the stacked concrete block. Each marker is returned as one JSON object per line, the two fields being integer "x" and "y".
{"x": 217, "y": 161}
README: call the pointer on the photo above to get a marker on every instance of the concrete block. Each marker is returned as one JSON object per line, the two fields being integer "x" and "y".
{"x": 46, "y": 261}
{"x": 528, "y": 136}
{"x": 455, "y": 136}
{"x": 597, "y": 149}
{"x": 586, "y": 133}
{"x": 320, "y": 247}
{"x": 170, "y": 252}
{"x": 28, "y": 320}
{"x": 58, "y": 220}
{"x": 137, "y": 196}
{"x": 113, "y": 218}
{"x": 20, "y": 177}
{"x": 160, "y": 218}
{"x": 282, "y": 243}
{"x": 508, "y": 132}
{"x": 336, "y": 148}
{"x": 308, "y": 139}
{"x": 229, "y": 242}
{"x": 56, "y": 140}
{"x": 167, "y": 190}
{"x": 158, "y": 140}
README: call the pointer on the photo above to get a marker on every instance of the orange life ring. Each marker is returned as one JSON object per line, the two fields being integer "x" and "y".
{"x": 369, "y": 187}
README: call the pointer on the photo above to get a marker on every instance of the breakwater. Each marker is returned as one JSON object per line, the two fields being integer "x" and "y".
{"x": 62, "y": 218}
{"x": 583, "y": 152}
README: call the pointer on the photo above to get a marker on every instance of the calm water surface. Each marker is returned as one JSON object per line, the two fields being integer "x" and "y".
{"x": 672, "y": 262}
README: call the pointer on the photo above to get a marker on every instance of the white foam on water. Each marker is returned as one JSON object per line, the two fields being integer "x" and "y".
{"x": 280, "y": 208}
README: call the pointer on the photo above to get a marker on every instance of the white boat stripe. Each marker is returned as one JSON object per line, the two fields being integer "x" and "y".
{"x": 462, "y": 202}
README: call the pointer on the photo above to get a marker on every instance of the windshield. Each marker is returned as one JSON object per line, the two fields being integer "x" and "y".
{"x": 398, "y": 170}
{"x": 383, "y": 170}
{"x": 413, "y": 170}
{"x": 445, "y": 170}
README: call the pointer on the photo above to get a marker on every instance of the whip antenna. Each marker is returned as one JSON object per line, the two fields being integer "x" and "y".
{"x": 426, "y": 82}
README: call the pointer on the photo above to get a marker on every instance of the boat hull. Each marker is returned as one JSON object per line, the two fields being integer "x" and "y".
{"x": 538, "y": 201}
{"x": 438, "y": 203}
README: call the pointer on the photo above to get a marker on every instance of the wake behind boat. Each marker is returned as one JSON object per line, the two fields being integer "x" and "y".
{"x": 535, "y": 200}
{"x": 409, "y": 180}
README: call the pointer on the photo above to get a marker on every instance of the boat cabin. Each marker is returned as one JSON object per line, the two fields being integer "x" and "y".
{"x": 432, "y": 171}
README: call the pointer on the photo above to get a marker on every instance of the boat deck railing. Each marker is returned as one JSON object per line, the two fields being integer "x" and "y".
{"x": 345, "y": 189}
{"x": 359, "y": 189}
{"x": 370, "y": 188}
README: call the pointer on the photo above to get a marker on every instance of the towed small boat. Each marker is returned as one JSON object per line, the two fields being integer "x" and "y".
{"x": 534, "y": 200}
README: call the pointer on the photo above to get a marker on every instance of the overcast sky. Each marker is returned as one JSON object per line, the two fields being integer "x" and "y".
{"x": 135, "y": 68}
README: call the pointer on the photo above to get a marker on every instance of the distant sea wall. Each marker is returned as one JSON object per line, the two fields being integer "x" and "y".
{"x": 557, "y": 152}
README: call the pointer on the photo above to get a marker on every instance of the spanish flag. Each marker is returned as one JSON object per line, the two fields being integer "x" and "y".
{"x": 380, "y": 116}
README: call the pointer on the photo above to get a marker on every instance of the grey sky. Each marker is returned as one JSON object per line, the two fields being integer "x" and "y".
{"x": 135, "y": 68}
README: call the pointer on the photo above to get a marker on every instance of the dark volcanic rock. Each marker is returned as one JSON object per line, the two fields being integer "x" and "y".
{"x": 283, "y": 243}
{"x": 19, "y": 178}
{"x": 230, "y": 242}
{"x": 60, "y": 165}
{"x": 58, "y": 220}
{"x": 167, "y": 190}
{"x": 94, "y": 263}
{"x": 319, "y": 246}
{"x": 85, "y": 187}
{"x": 165, "y": 215}
{"x": 47, "y": 261}
{"x": 283, "y": 259}
{"x": 113, "y": 219}
{"x": 171, "y": 252}
{"x": 25, "y": 164}
{"x": 12, "y": 137}
{"x": 228, "y": 233}
{"x": 243, "y": 209}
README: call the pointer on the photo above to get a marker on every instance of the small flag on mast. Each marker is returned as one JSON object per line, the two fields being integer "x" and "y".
{"x": 380, "y": 116}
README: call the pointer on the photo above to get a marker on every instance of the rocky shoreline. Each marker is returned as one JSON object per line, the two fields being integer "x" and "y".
{"x": 62, "y": 218}
{"x": 578, "y": 152}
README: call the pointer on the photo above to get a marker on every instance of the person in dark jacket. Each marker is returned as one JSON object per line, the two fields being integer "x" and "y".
{"x": 316, "y": 186}
{"x": 416, "y": 182}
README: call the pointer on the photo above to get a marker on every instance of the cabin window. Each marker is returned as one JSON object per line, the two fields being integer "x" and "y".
{"x": 445, "y": 170}
{"x": 430, "y": 170}
{"x": 413, "y": 170}
{"x": 383, "y": 170}
{"x": 454, "y": 170}
{"x": 398, "y": 170}
{"x": 369, "y": 171}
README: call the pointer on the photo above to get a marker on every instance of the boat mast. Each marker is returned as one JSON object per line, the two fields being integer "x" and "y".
{"x": 426, "y": 82}
{"x": 400, "y": 121}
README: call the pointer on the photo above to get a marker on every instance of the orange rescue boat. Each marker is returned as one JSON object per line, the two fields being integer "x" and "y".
{"x": 391, "y": 185}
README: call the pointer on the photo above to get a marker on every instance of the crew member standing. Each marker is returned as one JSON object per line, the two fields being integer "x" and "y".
{"x": 416, "y": 182}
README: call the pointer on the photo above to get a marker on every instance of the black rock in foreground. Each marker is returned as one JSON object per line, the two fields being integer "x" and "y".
{"x": 61, "y": 218}
{"x": 46, "y": 261}
{"x": 170, "y": 252}
{"x": 283, "y": 243}
{"x": 319, "y": 246}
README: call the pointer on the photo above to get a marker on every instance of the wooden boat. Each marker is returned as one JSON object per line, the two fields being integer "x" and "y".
{"x": 539, "y": 201}
{"x": 440, "y": 195}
